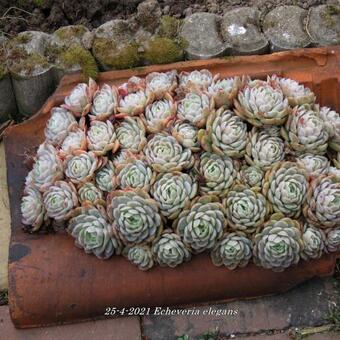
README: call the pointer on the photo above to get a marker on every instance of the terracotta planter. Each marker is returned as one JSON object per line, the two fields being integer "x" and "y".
{"x": 51, "y": 281}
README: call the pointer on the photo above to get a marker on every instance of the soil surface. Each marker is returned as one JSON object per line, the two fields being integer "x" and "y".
{"x": 48, "y": 15}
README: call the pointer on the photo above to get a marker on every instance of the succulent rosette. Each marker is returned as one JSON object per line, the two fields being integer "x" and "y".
{"x": 135, "y": 215}
{"x": 101, "y": 138}
{"x": 331, "y": 119}
{"x": 336, "y": 159}
{"x": 81, "y": 165}
{"x": 47, "y": 168}
{"x": 93, "y": 232}
{"x": 195, "y": 80}
{"x": 305, "y": 131}
{"x": 224, "y": 91}
{"x": 104, "y": 177}
{"x": 251, "y": 176}
{"x": 314, "y": 242}
{"x": 264, "y": 147}
{"x": 59, "y": 200}
{"x": 202, "y": 224}
{"x": 105, "y": 102}
{"x": 213, "y": 157}
{"x": 233, "y": 250}
{"x": 58, "y": 125}
{"x": 315, "y": 164}
{"x": 194, "y": 108}
{"x": 133, "y": 85}
{"x": 296, "y": 93}
{"x": 75, "y": 140}
{"x": 89, "y": 194}
{"x": 135, "y": 174}
{"x": 159, "y": 114}
{"x": 246, "y": 209}
{"x": 124, "y": 155}
{"x": 322, "y": 207}
{"x": 279, "y": 244}
{"x": 186, "y": 135}
{"x": 169, "y": 250}
{"x": 133, "y": 104}
{"x": 140, "y": 255}
{"x": 160, "y": 84}
{"x": 33, "y": 212}
{"x": 333, "y": 239}
{"x": 173, "y": 191}
{"x": 165, "y": 154}
{"x": 262, "y": 103}
{"x": 225, "y": 134}
{"x": 285, "y": 186}
{"x": 131, "y": 134}
{"x": 80, "y": 99}
{"x": 216, "y": 174}
{"x": 334, "y": 171}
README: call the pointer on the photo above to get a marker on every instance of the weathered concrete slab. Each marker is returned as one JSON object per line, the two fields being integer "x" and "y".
{"x": 112, "y": 329}
{"x": 4, "y": 221}
{"x": 306, "y": 305}
{"x": 241, "y": 28}
{"x": 324, "y": 25}
{"x": 284, "y": 27}
{"x": 201, "y": 30}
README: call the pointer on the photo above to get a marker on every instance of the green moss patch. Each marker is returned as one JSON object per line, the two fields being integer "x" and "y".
{"x": 3, "y": 66}
{"x": 330, "y": 15}
{"x": 114, "y": 57}
{"x": 26, "y": 64}
{"x": 21, "y": 39}
{"x": 162, "y": 51}
{"x": 68, "y": 32}
{"x": 169, "y": 27}
{"x": 121, "y": 52}
{"x": 77, "y": 55}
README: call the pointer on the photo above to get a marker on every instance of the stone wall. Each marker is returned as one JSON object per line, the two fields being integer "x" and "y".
{"x": 32, "y": 63}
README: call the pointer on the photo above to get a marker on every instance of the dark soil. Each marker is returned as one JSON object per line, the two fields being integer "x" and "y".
{"x": 48, "y": 15}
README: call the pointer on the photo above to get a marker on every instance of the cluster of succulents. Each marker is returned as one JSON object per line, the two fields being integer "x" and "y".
{"x": 163, "y": 168}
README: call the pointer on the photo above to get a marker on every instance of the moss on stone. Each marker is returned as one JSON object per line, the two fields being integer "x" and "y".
{"x": 3, "y": 66}
{"x": 3, "y": 70}
{"x": 20, "y": 39}
{"x": 67, "y": 32}
{"x": 77, "y": 55}
{"x": 53, "y": 51}
{"x": 169, "y": 27}
{"x": 333, "y": 10}
{"x": 268, "y": 24}
{"x": 24, "y": 38}
{"x": 117, "y": 58}
{"x": 162, "y": 51}
{"x": 331, "y": 15}
{"x": 23, "y": 63}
